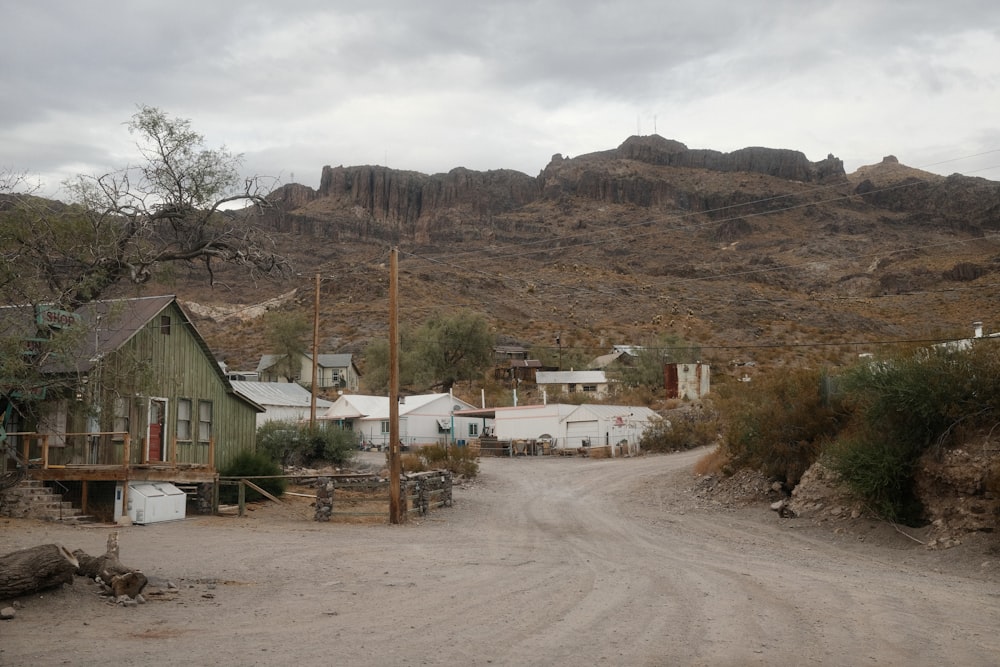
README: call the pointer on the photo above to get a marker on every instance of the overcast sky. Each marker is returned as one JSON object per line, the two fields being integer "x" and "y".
{"x": 437, "y": 84}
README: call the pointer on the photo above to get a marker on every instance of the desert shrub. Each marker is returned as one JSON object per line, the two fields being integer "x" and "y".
{"x": 779, "y": 424}
{"x": 712, "y": 463}
{"x": 334, "y": 445}
{"x": 295, "y": 444}
{"x": 252, "y": 464}
{"x": 461, "y": 461}
{"x": 412, "y": 462}
{"x": 688, "y": 429}
{"x": 878, "y": 471}
{"x": 904, "y": 405}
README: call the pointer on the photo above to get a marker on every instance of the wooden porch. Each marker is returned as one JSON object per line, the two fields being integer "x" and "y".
{"x": 107, "y": 457}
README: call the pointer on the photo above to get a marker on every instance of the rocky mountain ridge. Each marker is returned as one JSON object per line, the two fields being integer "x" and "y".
{"x": 758, "y": 253}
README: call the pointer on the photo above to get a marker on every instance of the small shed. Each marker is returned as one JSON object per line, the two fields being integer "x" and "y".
{"x": 686, "y": 381}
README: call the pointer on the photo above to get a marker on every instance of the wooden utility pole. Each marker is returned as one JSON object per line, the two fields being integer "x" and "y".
{"x": 395, "y": 464}
{"x": 315, "y": 357}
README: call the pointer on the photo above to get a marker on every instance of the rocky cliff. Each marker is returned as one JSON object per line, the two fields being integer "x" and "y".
{"x": 395, "y": 204}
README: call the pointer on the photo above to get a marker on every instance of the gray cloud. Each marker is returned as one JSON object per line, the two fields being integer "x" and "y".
{"x": 434, "y": 85}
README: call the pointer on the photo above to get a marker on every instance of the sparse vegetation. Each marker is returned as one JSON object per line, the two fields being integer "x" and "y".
{"x": 904, "y": 405}
{"x": 684, "y": 429}
{"x": 460, "y": 461}
{"x": 252, "y": 464}
{"x": 780, "y": 424}
{"x": 871, "y": 423}
{"x": 295, "y": 444}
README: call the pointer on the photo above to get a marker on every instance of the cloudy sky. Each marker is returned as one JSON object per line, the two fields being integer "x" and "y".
{"x": 437, "y": 84}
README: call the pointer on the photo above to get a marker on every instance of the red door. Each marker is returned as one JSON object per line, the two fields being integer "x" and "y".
{"x": 156, "y": 411}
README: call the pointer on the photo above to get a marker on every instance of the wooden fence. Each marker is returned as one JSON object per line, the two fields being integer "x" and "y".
{"x": 361, "y": 495}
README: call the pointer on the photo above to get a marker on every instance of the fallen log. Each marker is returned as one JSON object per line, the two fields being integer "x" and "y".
{"x": 36, "y": 569}
{"x": 108, "y": 570}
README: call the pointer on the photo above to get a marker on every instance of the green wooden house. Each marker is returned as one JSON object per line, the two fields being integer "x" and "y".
{"x": 130, "y": 393}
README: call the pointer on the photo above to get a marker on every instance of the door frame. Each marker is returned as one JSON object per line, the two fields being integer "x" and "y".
{"x": 165, "y": 402}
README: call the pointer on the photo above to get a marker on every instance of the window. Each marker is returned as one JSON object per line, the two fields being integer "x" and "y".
{"x": 571, "y": 387}
{"x": 590, "y": 387}
{"x": 204, "y": 421}
{"x": 165, "y": 325}
{"x": 473, "y": 429}
{"x": 184, "y": 419}
{"x": 385, "y": 427}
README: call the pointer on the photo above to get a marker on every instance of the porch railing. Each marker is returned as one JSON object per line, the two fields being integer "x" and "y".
{"x": 99, "y": 449}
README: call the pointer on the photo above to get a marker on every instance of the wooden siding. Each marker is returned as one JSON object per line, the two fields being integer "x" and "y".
{"x": 179, "y": 367}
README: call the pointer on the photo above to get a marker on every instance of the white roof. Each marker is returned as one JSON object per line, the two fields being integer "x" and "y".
{"x": 626, "y": 412}
{"x": 354, "y": 406}
{"x": 568, "y": 377}
{"x": 278, "y": 394}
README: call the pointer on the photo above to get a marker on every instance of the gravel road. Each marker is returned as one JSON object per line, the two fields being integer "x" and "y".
{"x": 541, "y": 561}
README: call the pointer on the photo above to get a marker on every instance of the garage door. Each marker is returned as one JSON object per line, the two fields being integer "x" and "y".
{"x": 578, "y": 433}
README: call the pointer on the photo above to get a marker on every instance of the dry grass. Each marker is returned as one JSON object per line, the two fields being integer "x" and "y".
{"x": 711, "y": 463}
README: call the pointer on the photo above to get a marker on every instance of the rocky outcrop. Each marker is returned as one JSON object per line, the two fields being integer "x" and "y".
{"x": 292, "y": 196}
{"x": 960, "y": 489}
{"x": 406, "y": 196}
{"x": 777, "y": 162}
{"x": 965, "y": 203}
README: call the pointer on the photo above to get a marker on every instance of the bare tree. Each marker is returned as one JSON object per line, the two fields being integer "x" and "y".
{"x": 123, "y": 225}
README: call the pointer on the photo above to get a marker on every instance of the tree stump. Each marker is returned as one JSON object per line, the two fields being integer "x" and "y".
{"x": 36, "y": 569}
{"x": 108, "y": 570}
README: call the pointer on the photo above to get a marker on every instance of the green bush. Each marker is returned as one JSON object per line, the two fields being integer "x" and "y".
{"x": 880, "y": 472}
{"x": 295, "y": 444}
{"x": 779, "y": 424}
{"x": 905, "y": 405}
{"x": 333, "y": 444}
{"x": 252, "y": 464}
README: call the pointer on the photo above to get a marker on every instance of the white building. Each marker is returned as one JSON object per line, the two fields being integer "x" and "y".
{"x": 426, "y": 419}
{"x": 568, "y": 426}
{"x": 594, "y": 383}
{"x": 282, "y": 401}
{"x": 604, "y": 425}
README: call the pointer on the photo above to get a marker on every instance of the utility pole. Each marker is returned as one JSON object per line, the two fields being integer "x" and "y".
{"x": 395, "y": 464}
{"x": 315, "y": 357}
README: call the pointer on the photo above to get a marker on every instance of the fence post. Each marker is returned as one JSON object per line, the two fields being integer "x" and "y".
{"x": 242, "y": 498}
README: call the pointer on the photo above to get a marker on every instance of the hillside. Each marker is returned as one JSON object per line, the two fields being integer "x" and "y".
{"x": 757, "y": 255}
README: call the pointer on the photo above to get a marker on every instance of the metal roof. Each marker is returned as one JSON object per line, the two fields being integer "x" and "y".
{"x": 570, "y": 377}
{"x": 278, "y": 394}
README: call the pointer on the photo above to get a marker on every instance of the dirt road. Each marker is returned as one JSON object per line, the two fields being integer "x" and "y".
{"x": 543, "y": 561}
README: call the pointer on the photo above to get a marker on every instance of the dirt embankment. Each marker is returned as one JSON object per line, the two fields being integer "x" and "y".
{"x": 542, "y": 561}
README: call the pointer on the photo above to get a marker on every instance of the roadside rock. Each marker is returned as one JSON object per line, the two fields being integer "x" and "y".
{"x": 960, "y": 489}
{"x": 821, "y": 494}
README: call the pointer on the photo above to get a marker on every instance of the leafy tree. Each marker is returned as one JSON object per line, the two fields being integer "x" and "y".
{"x": 451, "y": 348}
{"x": 124, "y": 225}
{"x": 435, "y": 355}
{"x": 286, "y": 335}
